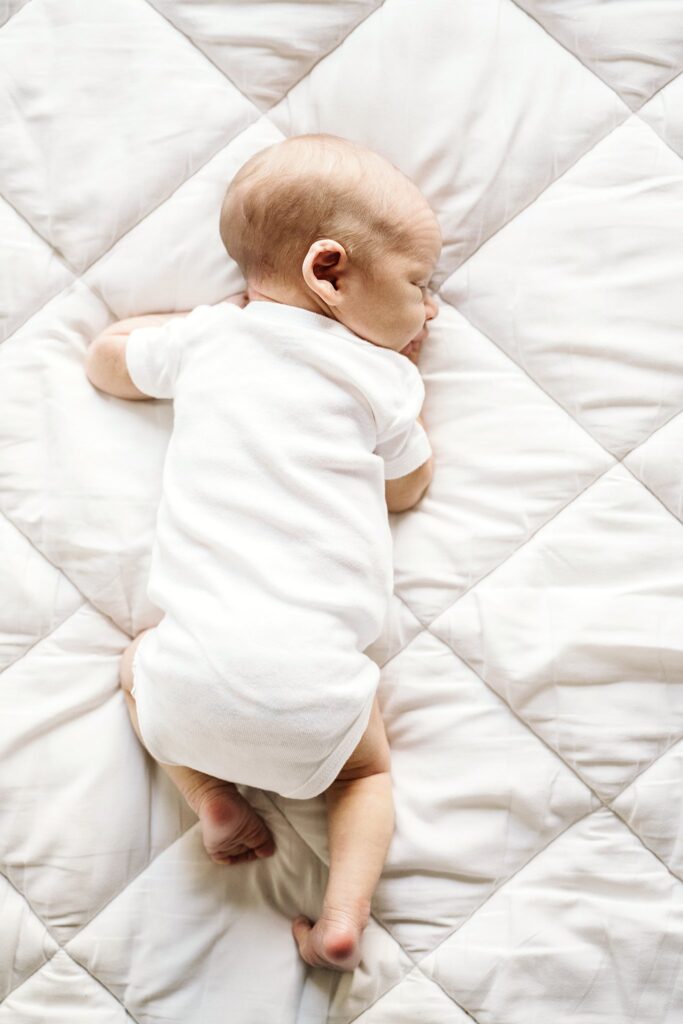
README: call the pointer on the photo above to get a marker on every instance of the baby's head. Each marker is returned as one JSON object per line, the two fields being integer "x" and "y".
{"x": 324, "y": 223}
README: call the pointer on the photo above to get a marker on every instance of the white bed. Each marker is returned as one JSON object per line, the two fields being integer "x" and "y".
{"x": 532, "y": 663}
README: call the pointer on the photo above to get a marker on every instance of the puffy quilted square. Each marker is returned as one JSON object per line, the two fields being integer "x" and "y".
{"x": 532, "y": 656}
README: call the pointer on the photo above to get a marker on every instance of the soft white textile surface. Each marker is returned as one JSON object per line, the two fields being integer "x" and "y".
{"x": 532, "y": 662}
{"x": 272, "y": 558}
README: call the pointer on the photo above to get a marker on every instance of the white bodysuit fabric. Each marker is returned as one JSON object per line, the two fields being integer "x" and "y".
{"x": 272, "y": 561}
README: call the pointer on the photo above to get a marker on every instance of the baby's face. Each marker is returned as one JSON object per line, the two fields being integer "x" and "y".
{"x": 396, "y": 307}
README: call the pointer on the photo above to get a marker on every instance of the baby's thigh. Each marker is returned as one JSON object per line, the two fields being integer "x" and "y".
{"x": 372, "y": 754}
{"x": 126, "y": 664}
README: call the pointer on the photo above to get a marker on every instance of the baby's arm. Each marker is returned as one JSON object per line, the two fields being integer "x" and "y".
{"x": 405, "y": 491}
{"x": 105, "y": 362}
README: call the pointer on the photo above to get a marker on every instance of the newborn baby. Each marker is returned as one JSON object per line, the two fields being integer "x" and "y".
{"x": 296, "y": 426}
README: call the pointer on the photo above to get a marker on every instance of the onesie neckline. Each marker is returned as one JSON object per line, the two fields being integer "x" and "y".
{"x": 280, "y": 312}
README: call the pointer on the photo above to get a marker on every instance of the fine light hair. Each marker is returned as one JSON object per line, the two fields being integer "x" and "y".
{"x": 307, "y": 187}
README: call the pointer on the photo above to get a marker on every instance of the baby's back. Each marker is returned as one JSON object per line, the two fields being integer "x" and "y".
{"x": 272, "y": 558}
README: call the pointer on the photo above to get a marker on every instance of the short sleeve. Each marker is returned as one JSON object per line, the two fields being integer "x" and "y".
{"x": 401, "y": 441}
{"x": 405, "y": 451}
{"x": 153, "y": 356}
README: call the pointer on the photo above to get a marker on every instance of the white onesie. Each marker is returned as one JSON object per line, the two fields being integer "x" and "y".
{"x": 272, "y": 560}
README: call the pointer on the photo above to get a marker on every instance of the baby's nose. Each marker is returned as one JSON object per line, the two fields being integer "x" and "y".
{"x": 431, "y": 308}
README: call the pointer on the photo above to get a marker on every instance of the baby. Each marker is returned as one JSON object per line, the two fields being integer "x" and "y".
{"x": 296, "y": 425}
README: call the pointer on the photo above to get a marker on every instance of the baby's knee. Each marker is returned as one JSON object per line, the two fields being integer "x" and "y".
{"x": 372, "y": 755}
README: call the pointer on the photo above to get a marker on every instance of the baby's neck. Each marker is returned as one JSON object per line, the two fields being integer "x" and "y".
{"x": 289, "y": 298}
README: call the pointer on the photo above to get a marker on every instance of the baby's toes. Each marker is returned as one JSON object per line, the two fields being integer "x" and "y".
{"x": 232, "y": 830}
{"x": 322, "y": 945}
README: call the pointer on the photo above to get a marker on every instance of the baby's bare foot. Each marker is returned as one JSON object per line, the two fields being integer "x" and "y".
{"x": 333, "y": 941}
{"x": 232, "y": 831}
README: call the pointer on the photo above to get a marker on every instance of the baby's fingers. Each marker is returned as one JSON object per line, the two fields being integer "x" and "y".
{"x": 412, "y": 351}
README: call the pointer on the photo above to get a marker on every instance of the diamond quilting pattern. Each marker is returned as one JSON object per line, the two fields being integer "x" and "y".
{"x": 572, "y": 287}
{"x": 253, "y": 43}
{"x": 66, "y": 745}
{"x": 36, "y": 597}
{"x": 86, "y": 499}
{"x": 457, "y": 128}
{"x": 518, "y": 459}
{"x": 415, "y": 998}
{"x": 91, "y": 140}
{"x": 659, "y": 464}
{"x": 476, "y": 794}
{"x": 577, "y": 935}
{"x": 633, "y": 47}
{"x": 174, "y": 258}
{"x": 70, "y": 993}
{"x": 30, "y": 272}
{"x": 580, "y": 631}
{"x": 25, "y": 943}
{"x": 532, "y": 651}
{"x": 653, "y": 807}
{"x": 231, "y": 919}
{"x": 663, "y": 114}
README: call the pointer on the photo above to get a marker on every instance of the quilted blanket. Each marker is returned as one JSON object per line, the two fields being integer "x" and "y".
{"x": 532, "y": 663}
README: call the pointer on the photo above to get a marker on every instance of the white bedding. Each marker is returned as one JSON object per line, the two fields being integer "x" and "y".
{"x": 532, "y": 667}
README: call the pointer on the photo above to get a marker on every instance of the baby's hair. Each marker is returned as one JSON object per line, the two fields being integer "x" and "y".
{"x": 308, "y": 187}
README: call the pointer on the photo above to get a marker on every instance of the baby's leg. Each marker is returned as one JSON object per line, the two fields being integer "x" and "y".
{"x": 360, "y": 825}
{"x": 232, "y": 831}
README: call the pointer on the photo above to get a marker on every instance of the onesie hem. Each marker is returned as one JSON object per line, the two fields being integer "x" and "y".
{"x": 330, "y": 768}
{"x": 139, "y": 705}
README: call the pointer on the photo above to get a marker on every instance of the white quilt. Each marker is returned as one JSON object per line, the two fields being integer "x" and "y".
{"x": 532, "y": 668}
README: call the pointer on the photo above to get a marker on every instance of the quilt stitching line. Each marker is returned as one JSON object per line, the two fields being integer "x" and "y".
{"x": 409, "y": 642}
{"x": 556, "y": 401}
{"x": 572, "y": 768}
{"x": 617, "y": 459}
{"x": 570, "y": 167}
{"x": 433, "y": 981}
{"x": 24, "y": 898}
{"x": 133, "y": 878}
{"x": 100, "y": 982}
{"x": 13, "y": 15}
{"x": 81, "y": 278}
{"x": 583, "y": 64}
{"x": 322, "y": 56}
{"x": 506, "y": 881}
{"x": 28, "y": 976}
{"x": 510, "y": 554}
{"x": 658, "y": 134}
{"x": 437, "y": 981}
{"x": 645, "y": 769}
{"x": 86, "y": 599}
{"x": 638, "y": 836}
{"x": 171, "y": 24}
{"x": 45, "y": 636}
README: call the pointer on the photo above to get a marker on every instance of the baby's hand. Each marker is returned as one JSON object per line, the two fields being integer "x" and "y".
{"x": 412, "y": 350}
{"x": 241, "y": 299}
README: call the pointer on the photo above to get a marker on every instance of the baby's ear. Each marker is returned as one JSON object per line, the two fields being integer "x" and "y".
{"x": 321, "y": 268}
{"x": 325, "y": 259}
